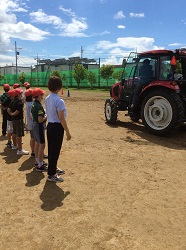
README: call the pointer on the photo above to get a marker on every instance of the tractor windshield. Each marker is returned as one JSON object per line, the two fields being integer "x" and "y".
{"x": 168, "y": 72}
{"x": 130, "y": 66}
{"x": 146, "y": 69}
{"x": 150, "y": 67}
{"x": 165, "y": 68}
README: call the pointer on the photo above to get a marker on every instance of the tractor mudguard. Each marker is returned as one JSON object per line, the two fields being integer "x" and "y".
{"x": 167, "y": 84}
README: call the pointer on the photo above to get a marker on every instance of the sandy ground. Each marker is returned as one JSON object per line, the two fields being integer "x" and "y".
{"x": 124, "y": 189}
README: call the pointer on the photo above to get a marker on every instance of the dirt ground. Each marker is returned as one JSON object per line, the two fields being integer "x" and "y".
{"x": 124, "y": 189}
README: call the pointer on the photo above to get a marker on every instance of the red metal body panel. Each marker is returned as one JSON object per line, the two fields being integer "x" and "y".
{"x": 168, "y": 84}
{"x": 156, "y": 52}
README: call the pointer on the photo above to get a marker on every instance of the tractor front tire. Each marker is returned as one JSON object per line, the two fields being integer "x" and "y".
{"x": 161, "y": 111}
{"x": 111, "y": 111}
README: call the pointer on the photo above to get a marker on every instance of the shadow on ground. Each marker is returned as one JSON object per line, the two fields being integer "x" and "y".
{"x": 176, "y": 139}
{"x": 9, "y": 155}
{"x": 27, "y": 164}
{"x": 52, "y": 196}
{"x": 34, "y": 178}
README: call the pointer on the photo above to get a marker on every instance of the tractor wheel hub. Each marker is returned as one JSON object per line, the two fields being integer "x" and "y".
{"x": 157, "y": 112}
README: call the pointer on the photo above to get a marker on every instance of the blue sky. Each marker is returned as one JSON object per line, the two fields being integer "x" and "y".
{"x": 105, "y": 29}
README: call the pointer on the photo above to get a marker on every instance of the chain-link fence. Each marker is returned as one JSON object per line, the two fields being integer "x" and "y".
{"x": 41, "y": 79}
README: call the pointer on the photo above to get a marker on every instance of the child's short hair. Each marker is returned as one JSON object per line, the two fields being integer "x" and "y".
{"x": 55, "y": 83}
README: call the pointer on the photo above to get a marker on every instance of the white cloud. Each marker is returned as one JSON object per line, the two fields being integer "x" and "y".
{"x": 139, "y": 43}
{"x": 110, "y": 61}
{"x": 10, "y": 28}
{"x": 104, "y": 33}
{"x": 121, "y": 27}
{"x": 119, "y": 15}
{"x": 23, "y": 31}
{"x": 137, "y": 15}
{"x": 74, "y": 28}
{"x": 12, "y": 6}
{"x": 123, "y": 46}
{"x": 7, "y": 18}
{"x": 71, "y": 26}
{"x": 175, "y": 45}
{"x": 69, "y": 12}
{"x": 22, "y": 61}
{"x": 104, "y": 45}
{"x": 40, "y": 17}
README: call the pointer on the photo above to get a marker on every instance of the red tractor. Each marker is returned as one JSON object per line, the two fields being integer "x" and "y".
{"x": 161, "y": 102}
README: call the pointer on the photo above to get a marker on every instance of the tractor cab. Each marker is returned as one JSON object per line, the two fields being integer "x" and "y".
{"x": 165, "y": 77}
{"x": 165, "y": 67}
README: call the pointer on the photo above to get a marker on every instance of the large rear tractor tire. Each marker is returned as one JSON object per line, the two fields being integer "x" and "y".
{"x": 161, "y": 112}
{"x": 111, "y": 112}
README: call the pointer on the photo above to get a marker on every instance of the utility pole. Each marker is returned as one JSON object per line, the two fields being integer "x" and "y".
{"x": 16, "y": 59}
{"x": 16, "y": 56}
{"x": 37, "y": 59}
{"x": 31, "y": 75}
{"x": 99, "y": 75}
{"x": 81, "y": 52}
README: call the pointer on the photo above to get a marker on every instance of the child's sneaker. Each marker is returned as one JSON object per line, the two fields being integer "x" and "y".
{"x": 32, "y": 154}
{"x": 9, "y": 145}
{"x": 55, "y": 178}
{"x": 36, "y": 164}
{"x": 22, "y": 152}
{"x": 60, "y": 171}
{"x": 14, "y": 147}
{"x": 43, "y": 168}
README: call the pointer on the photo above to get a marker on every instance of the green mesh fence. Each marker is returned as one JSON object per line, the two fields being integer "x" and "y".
{"x": 40, "y": 79}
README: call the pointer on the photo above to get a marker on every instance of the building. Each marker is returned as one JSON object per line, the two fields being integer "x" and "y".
{"x": 64, "y": 64}
{"x": 11, "y": 70}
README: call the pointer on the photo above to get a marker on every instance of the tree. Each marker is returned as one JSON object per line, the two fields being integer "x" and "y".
{"x": 117, "y": 75}
{"x": 64, "y": 79}
{"x": 79, "y": 73}
{"x": 22, "y": 78}
{"x": 106, "y": 72}
{"x": 91, "y": 78}
{"x": 2, "y": 77}
{"x": 55, "y": 73}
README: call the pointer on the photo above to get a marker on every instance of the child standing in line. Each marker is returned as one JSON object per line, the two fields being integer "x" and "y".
{"x": 39, "y": 119}
{"x": 27, "y": 86}
{"x": 9, "y": 120}
{"x": 16, "y": 85}
{"x": 29, "y": 119}
{"x": 3, "y": 100}
{"x": 9, "y": 110}
{"x": 56, "y": 116}
{"x": 16, "y": 112}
